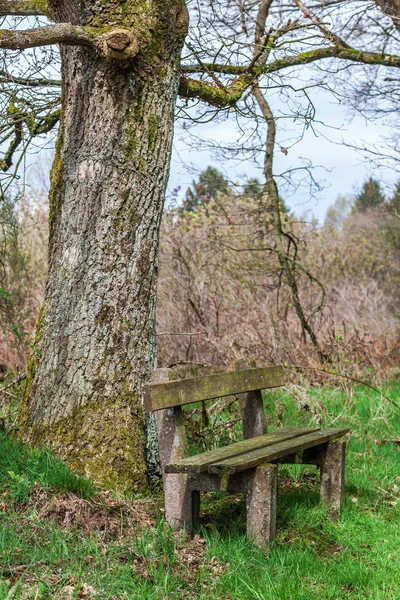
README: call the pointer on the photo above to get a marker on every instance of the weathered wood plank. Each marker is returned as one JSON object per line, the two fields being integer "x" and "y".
{"x": 270, "y": 453}
{"x": 218, "y": 385}
{"x": 201, "y": 462}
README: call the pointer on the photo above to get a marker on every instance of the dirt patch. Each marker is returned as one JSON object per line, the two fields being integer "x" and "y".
{"x": 191, "y": 552}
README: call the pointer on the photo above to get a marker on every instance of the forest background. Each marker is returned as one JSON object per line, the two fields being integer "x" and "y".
{"x": 222, "y": 293}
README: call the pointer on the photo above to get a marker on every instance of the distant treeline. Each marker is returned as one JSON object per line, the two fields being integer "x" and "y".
{"x": 222, "y": 294}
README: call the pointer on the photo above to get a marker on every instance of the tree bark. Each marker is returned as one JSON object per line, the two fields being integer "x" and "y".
{"x": 95, "y": 339}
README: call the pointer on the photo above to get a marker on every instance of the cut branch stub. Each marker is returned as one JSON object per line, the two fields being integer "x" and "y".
{"x": 120, "y": 43}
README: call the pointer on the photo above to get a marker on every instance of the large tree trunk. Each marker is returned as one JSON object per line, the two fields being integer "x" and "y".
{"x": 95, "y": 338}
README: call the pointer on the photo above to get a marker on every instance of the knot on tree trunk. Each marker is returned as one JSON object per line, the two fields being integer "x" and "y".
{"x": 120, "y": 44}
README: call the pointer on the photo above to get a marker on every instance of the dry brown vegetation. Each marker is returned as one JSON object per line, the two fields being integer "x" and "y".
{"x": 23, "y": 266}
{"x": 222, "y": 294}
{"x": 220, "y": 281}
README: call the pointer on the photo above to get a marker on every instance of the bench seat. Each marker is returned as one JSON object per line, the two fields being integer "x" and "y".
{"x": 251, "y": 453}
{"x": 201, "y": 462}
{"x": 249, "y": 466}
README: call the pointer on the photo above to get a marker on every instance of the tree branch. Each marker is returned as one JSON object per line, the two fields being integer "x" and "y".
{"x": 332, "y": 37}
{"x": 8, "y": 78}
{"x": 260, "y": 22}
{"x": 118, "y": 44}
{"x": 231, "y": 94}
{"x": 7, "y": 161}
{"x": 392, "y": 9}
{"x": 36, "y": 125}
{"x": 213, "y": 94}
{"x": 24, "y": 8}
{"x": 288, "y": 266}
{"x": 304, "y": 58}
{"x": 60, "y": 33}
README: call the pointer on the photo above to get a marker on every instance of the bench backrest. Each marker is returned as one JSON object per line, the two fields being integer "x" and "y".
{"x": 165, "y": 398}
{"x": 185, "y": 391}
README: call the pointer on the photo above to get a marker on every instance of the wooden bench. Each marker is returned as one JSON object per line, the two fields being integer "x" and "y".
{"x": 249, "y": 466}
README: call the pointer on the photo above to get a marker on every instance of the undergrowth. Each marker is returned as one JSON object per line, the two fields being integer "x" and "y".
{"x": 62, "y": 538}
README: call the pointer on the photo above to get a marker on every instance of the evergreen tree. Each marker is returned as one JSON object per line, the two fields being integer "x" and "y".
{"x": 391, "y": 219}
{"x": 255, "y": 189}
{"x": 394, "y": 201}
{"x": 338, "y": 212}
{"x": 211, "y": 182}
{"x": 369, "y": 197}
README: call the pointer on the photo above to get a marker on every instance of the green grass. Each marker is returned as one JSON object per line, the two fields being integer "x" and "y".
{"x": 312, "y": 557}
{"x": 23, "y": 470}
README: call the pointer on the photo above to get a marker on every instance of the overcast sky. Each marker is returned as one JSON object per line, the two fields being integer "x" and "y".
{"x": 342, "y": 170}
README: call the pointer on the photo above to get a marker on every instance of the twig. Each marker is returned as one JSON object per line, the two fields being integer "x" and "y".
{"x": 8, "y": 394}
{"x": 186, "y": 333}
{"x": 18, "y": 379}
{"x": 187, "y": 362}
{"x": 222, "y": 427}
{"x": 15, "y": 381}
{"x": 330, "y": 35}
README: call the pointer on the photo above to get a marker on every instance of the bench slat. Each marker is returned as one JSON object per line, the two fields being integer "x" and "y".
{"x": 185, "y": 391}
{"x": 201, "y": 462}
{"x": 274, "y": 452}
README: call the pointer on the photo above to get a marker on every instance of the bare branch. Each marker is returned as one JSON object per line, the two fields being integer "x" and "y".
{"x": 8, "y": 78}
{"x": 60, "y": 33}
{"x": 35, "y": 125}
{"x": 332, "y": 37}
{"x": 213, "y": 94}
{"x": 261, "y": 20}
{"x": 392, "y": 9}
{"x": 24, "y": 8}
{"x": 119, "y": 44}
{"x": 351, "y": 54}
{"x": 288, "y": 266}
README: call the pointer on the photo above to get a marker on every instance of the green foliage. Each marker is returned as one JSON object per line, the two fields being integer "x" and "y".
{"x": 210, "y": 183}
{"x": 391, "y": 219}
{"x": 24, "y": 470}
{"x": 370, "y": 196}
{"x": 394, "y": 201}
{"x": 254, "y": 189}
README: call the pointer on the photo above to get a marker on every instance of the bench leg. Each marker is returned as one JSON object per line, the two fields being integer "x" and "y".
{"x": 332, "y": 463}
{"x": 178, "y": 500}
{"x": 195, "y": 509}
{"x": 261, "y": 501}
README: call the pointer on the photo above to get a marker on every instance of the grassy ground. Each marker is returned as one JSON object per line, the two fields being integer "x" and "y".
{"x": 61, "y": 538}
